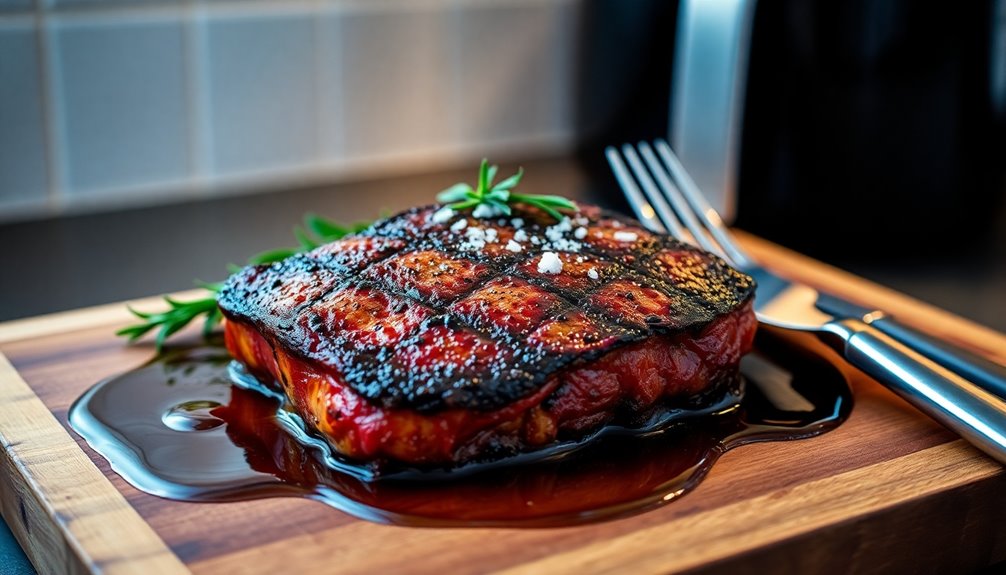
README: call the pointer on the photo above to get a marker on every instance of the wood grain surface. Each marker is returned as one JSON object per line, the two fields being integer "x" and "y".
{"x": 889, "y": 491}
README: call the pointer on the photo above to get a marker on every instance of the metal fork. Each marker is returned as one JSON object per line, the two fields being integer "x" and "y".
{"x": 666, "y": 199}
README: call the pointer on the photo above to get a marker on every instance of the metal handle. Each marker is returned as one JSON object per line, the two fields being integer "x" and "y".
{"x": 988, "y": 375}
{"x": 975, "y": 414}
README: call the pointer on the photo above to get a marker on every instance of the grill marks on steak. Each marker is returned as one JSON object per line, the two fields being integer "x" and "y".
{"x": 408, "y": 319}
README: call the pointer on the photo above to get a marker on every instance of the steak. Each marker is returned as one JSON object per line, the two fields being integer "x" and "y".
{"x": 434, "y": 337}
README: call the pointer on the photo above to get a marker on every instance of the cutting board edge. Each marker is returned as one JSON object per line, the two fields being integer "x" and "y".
{"x": 75, "y": 522}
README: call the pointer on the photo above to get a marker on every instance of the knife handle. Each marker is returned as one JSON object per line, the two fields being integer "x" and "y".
{"x": 973, "y": 413}
{"x": 986, "y": 374}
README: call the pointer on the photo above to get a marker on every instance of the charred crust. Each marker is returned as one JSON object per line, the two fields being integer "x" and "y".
{"x": 406, "y": 349}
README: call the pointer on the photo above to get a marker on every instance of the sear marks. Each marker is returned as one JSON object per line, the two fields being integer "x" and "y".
{"x": 507, "y": 307}
{"x": 435, "y": 313}
{"x": 428, "y": 275}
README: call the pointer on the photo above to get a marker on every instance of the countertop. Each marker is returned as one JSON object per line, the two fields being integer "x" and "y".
{"x": 83, "y": 260}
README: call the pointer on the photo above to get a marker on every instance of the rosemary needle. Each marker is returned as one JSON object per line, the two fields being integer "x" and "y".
{"x": 500, "y": 196}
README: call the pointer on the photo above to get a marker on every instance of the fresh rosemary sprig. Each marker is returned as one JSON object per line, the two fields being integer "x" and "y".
{"x": 315, "y": 232}
{"x": 499, "y": 196}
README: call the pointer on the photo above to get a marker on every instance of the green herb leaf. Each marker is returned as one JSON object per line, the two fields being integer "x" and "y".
{"x": 272, "y": 256}
{"x": 511, "y": 182}
{"x": 307, "y": 243}
{"x": 536, "y": 199}
{"x": 464, "y": 205}
{"x": 323, "y": 227}
{"x": 462, "y": 197}
{"x": 455, "y": 193}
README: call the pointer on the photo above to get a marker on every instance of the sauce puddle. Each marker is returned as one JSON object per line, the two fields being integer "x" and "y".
{"x": 191, "y": 426}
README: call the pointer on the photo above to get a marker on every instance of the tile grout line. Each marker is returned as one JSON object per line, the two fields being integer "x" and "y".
{"x": 337, "y": 43}
{"x": 51, "y": 118}
{"x": 320, "y": 117}
{"x": 203, "y": 99}
{"x": 194, "y": 109}
{"x": 455, "y": 25}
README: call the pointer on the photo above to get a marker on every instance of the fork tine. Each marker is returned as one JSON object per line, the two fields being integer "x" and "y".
{"x": 657, "y": 201}
{"x": 709, "y": 217}
{"x": 681, "y": 207}
{"x": 644, "y": 211}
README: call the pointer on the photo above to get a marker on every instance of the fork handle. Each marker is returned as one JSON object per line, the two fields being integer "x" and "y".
{"x": 975, "y": 368}
{"x": 975, "y": 414}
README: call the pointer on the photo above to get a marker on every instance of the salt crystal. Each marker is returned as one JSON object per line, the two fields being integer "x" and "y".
{"x": 564, "y": 245}
{"x": 486, "y": 211}
{"x": 580, "y": 233}
{"x": 520, "y": 235}
{"x": 442, "y": 216}
{"x": 476, "y": 239}
{"x": 517, "y": 223}
{"x": 555, "y": 232}
{"x": 549, "y": 263}
{"x": 459, "y": 225}
{"x": 592, "y": 273}
{"x": 513, "y": 246}
{"x": 626, "y": 236}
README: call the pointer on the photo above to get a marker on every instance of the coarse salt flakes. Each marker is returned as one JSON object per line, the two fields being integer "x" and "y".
{"x": 580, "y": 233}
{"x": 517, "y": 223}
{"x": 592, "y": 273}
{"x": 520, "y": 235}
{"x": 486, "y": 211}
{"x": 476, "y": 239}
{"x": 564, "y": 245}
{"x": 491, "y": 235}
{"x": 549, "y": 263}
{"x": 442, "y": 216}
{"x": 459, "y": 225}
{"x": 626, "y": 236}
{"x": 513, "y": 246}
{"x": 555, "y": 232}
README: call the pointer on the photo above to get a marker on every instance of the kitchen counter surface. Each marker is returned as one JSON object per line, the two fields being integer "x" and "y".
{"x": 84, "y": 260}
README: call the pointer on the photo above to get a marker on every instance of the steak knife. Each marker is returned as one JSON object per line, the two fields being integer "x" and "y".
{"x": 986, "y": 374}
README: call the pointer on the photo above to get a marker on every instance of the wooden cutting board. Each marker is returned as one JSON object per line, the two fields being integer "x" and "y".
{"x": 887, "y": 491}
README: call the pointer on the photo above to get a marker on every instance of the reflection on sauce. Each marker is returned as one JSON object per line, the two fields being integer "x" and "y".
{"x": 180, "y": 428}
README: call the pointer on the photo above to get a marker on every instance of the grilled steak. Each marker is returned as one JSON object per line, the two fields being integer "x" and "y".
{"x": 436, "y": 338}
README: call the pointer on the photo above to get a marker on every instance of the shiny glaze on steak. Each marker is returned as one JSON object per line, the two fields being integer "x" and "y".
{"x": 407, "y": 342}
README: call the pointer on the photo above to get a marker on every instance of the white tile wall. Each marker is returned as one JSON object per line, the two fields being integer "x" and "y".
{"x": 22, "y": 142}
{"x": 397, "y": 80}
{"x": 262, "y": 94}
{"x": 516, "y": 69}
{"x": 141, "y": 101}
{"x": 120, "y": 88}
{"x": 6, "y": 5}
{"x": 14, "y": 4}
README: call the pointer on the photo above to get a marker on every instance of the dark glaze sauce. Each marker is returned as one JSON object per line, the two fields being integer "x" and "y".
{"x": 187, "y": 426}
